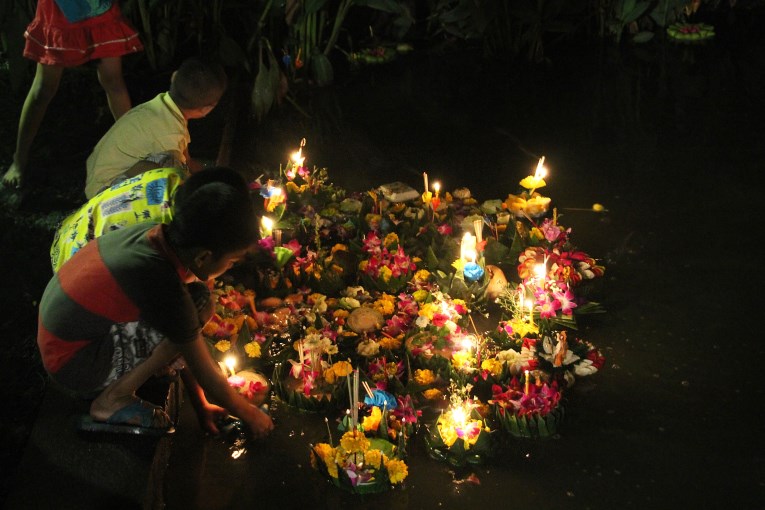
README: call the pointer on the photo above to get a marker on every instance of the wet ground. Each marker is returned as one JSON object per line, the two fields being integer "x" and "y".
{"x": 670, "y": 140}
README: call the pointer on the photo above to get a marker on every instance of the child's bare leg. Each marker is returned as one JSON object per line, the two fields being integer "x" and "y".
{"x": 121, "y": 392}
{"x": 43, "y": 89}
{"x": 111, "y": 79}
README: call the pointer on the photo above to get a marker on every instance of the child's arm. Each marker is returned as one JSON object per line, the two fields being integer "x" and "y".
{"x": 208, "y": 374}
{"x": 192, "y": 164}
{"x": 206, "y": 412}
{"x": 142, "y": 166}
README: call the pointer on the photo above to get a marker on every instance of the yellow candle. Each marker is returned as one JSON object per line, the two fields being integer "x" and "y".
{"x": 526, "y": 387}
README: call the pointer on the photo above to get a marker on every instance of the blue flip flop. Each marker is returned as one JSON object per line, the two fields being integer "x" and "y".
{"x": 118, "y": 423}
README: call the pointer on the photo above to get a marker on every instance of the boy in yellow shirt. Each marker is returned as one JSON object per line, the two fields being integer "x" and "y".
{"x": 155, "y": 134}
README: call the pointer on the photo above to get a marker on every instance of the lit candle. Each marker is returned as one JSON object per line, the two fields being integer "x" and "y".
{"x": 278, "y": 237}
{"x": 231, "y": 363}
{"x": 425, "y": 180}
{"x": 539, "y": 176}
{"x": 268, "y": 226}
{"x": 526, "y": 387}
{"x": 437, "y": 187}
{"x": 467, "y": 245}
{"x": 541, "y": 271}
{"x": 541, "y": 171}
{"x": 297, "y": 156}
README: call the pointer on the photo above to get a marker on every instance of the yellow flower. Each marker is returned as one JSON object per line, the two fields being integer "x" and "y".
{"x": 523, "y": 328}
{"x": 432, "y": 394}
{"x": 420, "y": 295}
{"x": 339, "y": 247}
{"x": 422, "y": 275}
{"x": 291, "y": 186}
{"x": 397, "y": 470}
{"x": 459, "y": 264}
{"x": 385, "y": 273}
{"x": 339, "y": 369}
{"x": 363, "y": 265}
{"x": 391, "y": 343}
{"x": 327, "y": 455}
{"x": 372, "y": 422}
{"x": 536, "y": 234}
{"x": 492, "y": 365}
{"x": 373, "y": 458}
{"x": 514, "y": 204}
{"x": 462, "y": 359}
{"x": 384, "y": 306}
{"x": 354, "y": 441}
{"x": 532, "y": 182}
{"x": 537, "y": 205}
{"x": 252, "y": 349}
{"x": 448, "y": 434}
{"x": 390, "y": 239}
{"x": 428, "y": 310}
{"x": 424, "y": 377}
{"x": 340, "y": 313}
{"x": 223, "y": 345}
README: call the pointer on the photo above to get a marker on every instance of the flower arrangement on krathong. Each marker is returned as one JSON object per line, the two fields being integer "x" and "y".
{"x": 460, "y": 435}
{"x": 311, "y": 371}
{"x": 369, "y": 457}
{"x": 235, "y": 341}
{"x": 370, "y": 283}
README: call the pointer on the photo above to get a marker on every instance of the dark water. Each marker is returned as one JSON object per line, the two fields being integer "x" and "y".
{"x": 669, "y": 139}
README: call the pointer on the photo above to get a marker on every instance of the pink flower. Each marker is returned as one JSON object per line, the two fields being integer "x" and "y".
{"x": 566, "y": 301}
{"x": 444, "y": 229}
{"x": 548, "y": 308}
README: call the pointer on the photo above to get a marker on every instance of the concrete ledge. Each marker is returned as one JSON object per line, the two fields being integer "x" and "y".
{"x": 65, "y": 468}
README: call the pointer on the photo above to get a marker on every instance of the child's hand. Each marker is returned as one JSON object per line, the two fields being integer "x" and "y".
{"x": 259, "y": 422}
{"x": 209, "y": 415}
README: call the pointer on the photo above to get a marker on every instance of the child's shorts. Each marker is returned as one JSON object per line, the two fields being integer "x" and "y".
{"x": 133, "y": 342}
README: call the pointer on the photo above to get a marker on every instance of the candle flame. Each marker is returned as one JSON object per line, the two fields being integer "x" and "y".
{"x": 459, "y": 416}
{"x": 267, "y": 223}
{"x": 541, "y": 171}
{"x": 230, "y": 362}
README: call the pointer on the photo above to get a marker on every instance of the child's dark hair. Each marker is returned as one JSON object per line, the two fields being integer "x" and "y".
{"x": 213, "y": 210}
{"x": 198, "y": 179}
{"x": 198, "y": 83}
